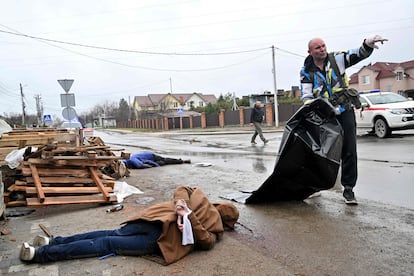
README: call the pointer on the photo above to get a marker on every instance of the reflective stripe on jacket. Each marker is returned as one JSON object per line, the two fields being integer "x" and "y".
{"x": 327, "y": 82}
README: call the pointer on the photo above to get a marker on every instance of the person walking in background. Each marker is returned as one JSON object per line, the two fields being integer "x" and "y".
{"x": 256, "y": 119}
{"x": 323, "y": 75}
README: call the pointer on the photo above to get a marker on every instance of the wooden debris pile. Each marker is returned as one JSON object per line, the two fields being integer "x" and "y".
{"x": 18, "y": 139}
{"x": 56, "y": 174}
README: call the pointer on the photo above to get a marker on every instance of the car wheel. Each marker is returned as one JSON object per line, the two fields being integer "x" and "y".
{"x": 381, "y": 128}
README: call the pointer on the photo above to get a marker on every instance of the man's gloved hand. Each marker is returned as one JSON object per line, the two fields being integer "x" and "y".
{"x": 372, "y": 40}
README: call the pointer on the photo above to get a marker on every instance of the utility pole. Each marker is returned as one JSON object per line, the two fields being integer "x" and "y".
{"x": 275, "y": 87}
{"x": 23, "y": 105}
{"x": 129, "y": 108}
{"x": 39, "y": 109}
{"x": 235, "y": 106}
{"x": 170, "y": 86}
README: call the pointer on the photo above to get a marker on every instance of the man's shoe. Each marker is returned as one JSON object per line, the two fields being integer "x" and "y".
{"x": 253, "y": 142}
{"x": 349, "y": 197}
{"x": 40, "y": 240}
{"x": 266, "y": 141}
{"x": 27, "y": 252}
{"x": 188, "y": 161}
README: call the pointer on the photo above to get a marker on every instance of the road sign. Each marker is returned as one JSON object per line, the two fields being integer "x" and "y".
{"x": 66, "y": 84}
{"x": 180, "y": 111}
{"x": 47, "y": 118}
{"x": 67, "y": 99}
{"x": 69, "y": 113}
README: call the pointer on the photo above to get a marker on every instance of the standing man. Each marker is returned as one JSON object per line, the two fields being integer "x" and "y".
{"x": 323, "y": 75}
{"x": 256, "y": 118}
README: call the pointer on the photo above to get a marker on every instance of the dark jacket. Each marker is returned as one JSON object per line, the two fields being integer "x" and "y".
{"x": 257, "y": 115}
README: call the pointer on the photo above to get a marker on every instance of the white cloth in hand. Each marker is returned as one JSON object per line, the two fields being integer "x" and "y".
{"x": 188, "y": 237}
{"x": 372, "y": 40}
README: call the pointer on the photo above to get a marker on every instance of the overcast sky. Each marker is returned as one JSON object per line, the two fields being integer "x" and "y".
{"x": 121, "y": 49}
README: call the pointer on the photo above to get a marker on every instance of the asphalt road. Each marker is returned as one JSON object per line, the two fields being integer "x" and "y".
{"x": 318, "y": 236}
{"x": 386, "y": 166}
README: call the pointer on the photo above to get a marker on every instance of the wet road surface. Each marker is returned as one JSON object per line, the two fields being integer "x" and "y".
{"x": 386, "y": 166}
{"x": 318, "y": 236}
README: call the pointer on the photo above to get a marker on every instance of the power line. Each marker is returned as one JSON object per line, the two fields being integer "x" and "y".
{"x": 46, "y": 41}
{"x": 129, "y": 51}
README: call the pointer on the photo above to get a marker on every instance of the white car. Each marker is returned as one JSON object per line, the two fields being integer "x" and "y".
{"x": 71, "y": 125}
{"x": 383, "y": 112}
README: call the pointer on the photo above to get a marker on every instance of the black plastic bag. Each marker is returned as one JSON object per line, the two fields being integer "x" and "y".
{"x": 309, "y": 156}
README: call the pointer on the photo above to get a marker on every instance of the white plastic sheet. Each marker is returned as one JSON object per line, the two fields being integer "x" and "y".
{"x": 123, "y": 190}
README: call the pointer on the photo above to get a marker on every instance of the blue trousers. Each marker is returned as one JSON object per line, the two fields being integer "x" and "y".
{"x": 134, "y": 239}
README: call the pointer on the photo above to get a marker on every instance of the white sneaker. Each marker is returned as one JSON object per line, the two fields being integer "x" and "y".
{"x": 27, "y": 252}
{"x": 41, "y": 240}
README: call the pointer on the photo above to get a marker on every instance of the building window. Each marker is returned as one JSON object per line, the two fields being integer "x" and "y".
{"x": 400, "y": 76}
{"x": 366, "y": 79}
{"x": 200, "y": 104}
{"x": 175, "y": 104}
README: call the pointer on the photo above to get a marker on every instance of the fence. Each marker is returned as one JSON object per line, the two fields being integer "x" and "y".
{"x": 224, "y": 118}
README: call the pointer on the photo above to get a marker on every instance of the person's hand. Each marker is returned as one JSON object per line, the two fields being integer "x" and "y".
{"x": 372, "y": 40}
{"x": 181, "y": 207}
{"x": 251, "y": 124}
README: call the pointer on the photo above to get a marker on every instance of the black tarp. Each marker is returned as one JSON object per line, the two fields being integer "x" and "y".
{"x": 309, "y": 156}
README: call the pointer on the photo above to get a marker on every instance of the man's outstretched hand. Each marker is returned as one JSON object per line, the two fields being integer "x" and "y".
{"x": 372, "y": 40}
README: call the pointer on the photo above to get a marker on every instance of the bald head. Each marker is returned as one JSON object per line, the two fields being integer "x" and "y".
{"x": 317, "y": 49}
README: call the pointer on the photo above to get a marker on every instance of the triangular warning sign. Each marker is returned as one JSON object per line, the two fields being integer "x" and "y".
{"x": 66, "y": 84}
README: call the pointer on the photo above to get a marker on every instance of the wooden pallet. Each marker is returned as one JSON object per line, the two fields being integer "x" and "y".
{"x": 65, "y": 175}
{"x": 20, "y": 138}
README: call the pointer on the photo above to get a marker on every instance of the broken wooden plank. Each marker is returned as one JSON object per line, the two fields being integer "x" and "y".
{"x": 98, "y": 182}
{"x": 74, "y": 163}
{"x": 62, "y": 180}
{"x": 81, "y": 157}
{"x": 91, "y": 154}
{"x": 45, "y": 230}
{"x": 79, "y": 149}
{"x": 68, "y": 190}
{"x": 16, "y": 203}
{"x": 76, "y": 172}
{"x": 37, "y": 183}
{"x": 16, "y": 188}
{"x": 59, "y": 200}
{"x": 125, "y": 155}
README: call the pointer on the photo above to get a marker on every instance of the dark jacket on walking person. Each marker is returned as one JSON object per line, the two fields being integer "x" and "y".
{"x": 323, "y": 75}
{"x": 256, "y": 118}
{"x": 164, "y": 232}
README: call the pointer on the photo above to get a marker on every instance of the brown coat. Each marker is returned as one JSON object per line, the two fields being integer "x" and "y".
{"x": 205, "y": 221}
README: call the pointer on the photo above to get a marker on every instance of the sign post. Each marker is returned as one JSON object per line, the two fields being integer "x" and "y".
{"x": 47, "y": 119}
{"x": 67, "y": 100}
{"x": 180, "y": 112}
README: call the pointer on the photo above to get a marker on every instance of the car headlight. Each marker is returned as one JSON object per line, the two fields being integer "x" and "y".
{"x": 398, "y": 111}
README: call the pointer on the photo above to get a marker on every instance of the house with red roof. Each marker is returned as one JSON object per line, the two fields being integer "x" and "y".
{"x": 170, "y": 103}
{"x": 385, "y": 76}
